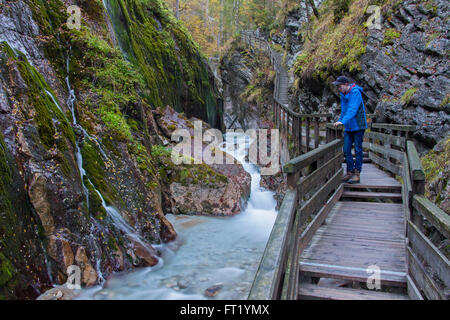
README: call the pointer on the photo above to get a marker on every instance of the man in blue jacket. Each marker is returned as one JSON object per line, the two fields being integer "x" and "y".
{"x": 353, "y": 117}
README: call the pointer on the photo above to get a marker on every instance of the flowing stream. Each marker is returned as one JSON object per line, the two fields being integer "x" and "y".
{"x": 210, "y": 252}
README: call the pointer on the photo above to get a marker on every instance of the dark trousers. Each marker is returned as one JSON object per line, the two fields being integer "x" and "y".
{"x": 353, "y": 138}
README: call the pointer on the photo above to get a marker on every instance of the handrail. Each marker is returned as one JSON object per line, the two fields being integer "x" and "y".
{"x": 298, "y": 163}
{"x": 271, "y": 273}
{"x": 425, "y": 262}
{"x": 266, "y": 285}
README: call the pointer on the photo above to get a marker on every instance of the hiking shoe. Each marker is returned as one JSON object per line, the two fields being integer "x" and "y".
{"x": 347, "y": 176}
{"x": 355, "y": 178}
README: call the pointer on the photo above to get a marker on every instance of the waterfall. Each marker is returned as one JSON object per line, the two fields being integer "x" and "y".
{"x": 118, "y": 221}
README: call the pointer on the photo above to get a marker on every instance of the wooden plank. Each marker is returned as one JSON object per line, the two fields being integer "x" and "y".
{"x": 395, "y": 140}
{"x": 424, "y": 281}
{"x": 312, "y": 291}
{"x": 390, "y": 126}
{"x": 387, "y": 277}
{"x": 387, "y": 152}
{"x": 267, "y": 279}
{"x": 372, "y": 195}
{"x": 427, "y": 250}
{"x": 372, "y": 187}
{"x": 314, "y": 180}
{"x": 317, "y": 200}
{"x": 302, "y": 161}
{"x": 438, "y": 218}
{"x": 415, "y": 165}
{"x": 385, "y": 164}
{"x": 318, "y": 220}
{"x": 413, "y": 291}
{"x": 290, "y": 286}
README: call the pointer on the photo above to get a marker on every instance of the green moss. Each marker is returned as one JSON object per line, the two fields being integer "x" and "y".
{"x": 407, "y": 96}
{"x": 332, "y": 47}
{"x": 390, "y": 35}
{"x": 96, "y": 208}
{"x": 445, "y": 101}
{"x": 433, "y": 164}
{"x": 168, "y": 59}
{"x": 45, "y": 108}
{"x": 95, "y": 171}
{"x": 101, "y": 69}
{"x": 7, "y": 270}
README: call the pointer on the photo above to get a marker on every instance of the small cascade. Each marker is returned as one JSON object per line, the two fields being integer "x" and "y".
{"x": 220, "y": 252}
{"x": 112, "y": 212}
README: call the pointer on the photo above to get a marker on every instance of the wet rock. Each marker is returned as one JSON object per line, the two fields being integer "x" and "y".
{"x": 202, "y": 189}
{"x": 202, "y": 200}
{"x": 213, "y": 290}
{"x": 147, "y": 254}
{"x": 183, "y": 283}
{"x": 89, "y": 275}
{"x": 38, "y": 197}
{"x": 59, "y": 293}
{"x": 60, "y": 250}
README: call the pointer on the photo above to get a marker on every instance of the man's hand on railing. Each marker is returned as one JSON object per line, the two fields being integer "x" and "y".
{"x": 337, "y": 124}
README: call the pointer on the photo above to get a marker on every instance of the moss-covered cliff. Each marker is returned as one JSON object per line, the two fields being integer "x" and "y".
{"x": 62, "y": 151}
{"x": 172, "y": 66}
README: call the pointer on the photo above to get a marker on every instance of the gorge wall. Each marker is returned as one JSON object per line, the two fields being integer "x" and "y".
{"x": 81, "y": 178}
{"x": 403, "y": 68}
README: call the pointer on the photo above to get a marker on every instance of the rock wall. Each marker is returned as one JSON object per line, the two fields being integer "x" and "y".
{"x": 77, "y": 137}
{"x": 403, "y": 68}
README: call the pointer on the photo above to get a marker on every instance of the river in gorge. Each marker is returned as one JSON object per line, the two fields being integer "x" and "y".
{"x": 220, "y": 254}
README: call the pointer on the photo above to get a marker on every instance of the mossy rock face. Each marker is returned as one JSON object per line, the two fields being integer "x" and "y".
{"x": 45, "y": 109}
{"x": 22, "y": 261}
{"x": 436, "y": 164}
{"x": 95, "y": 171}
{"x": 336, "y": 41}
{"x": 175, "y": 72}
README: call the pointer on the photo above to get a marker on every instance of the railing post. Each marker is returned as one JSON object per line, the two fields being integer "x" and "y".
{"x": 417, "y": 179}
{"x": 308, "y": 136}
{"x": 292, "y": 179}
{"x": 300, "y": 135}
{"x": 316, "y": 132}
{"x": 328, "y": 131}
{"x": 295, "y": 134}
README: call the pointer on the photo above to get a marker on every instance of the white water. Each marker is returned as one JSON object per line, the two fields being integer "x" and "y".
{"x": 209, "y": 251}
{"x": 115, "y": 215}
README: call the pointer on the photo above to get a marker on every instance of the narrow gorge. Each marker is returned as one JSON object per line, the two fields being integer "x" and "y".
{"x": 95, "y": 95}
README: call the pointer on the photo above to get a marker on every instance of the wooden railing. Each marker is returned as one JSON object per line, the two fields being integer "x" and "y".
{"x": 428, "y": 268}
{"x": 314, "y": 176}
{"x": 321, "y": 172}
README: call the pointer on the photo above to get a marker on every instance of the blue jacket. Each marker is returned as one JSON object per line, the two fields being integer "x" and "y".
{"x": 353, "y": 113}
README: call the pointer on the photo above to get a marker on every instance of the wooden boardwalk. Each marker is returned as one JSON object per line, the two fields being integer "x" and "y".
{"x": 358, "y": 234}
{"x": 331, "y": 239}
